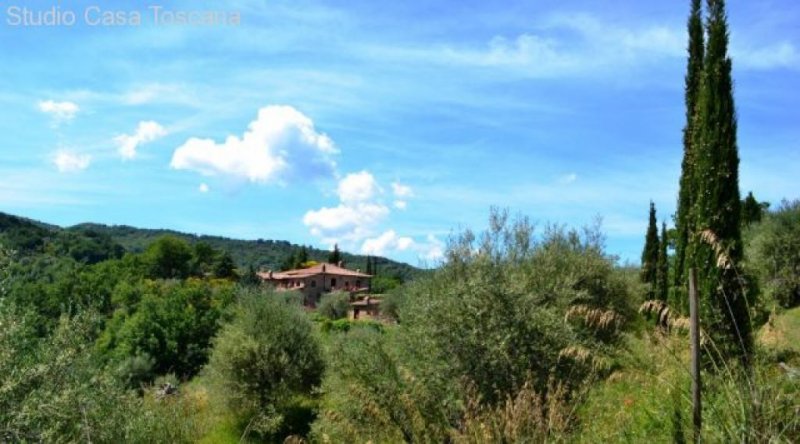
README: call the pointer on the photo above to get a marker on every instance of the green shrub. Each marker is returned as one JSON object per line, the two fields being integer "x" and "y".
{"x": 334, "y": 305}
{"x": 263, "y": 359}
{"x": 773, "y": 252}
{"x": 507, "y": 316}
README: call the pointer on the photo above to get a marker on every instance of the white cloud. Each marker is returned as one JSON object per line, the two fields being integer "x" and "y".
{"x": 401, "y": 190}
{"x": 388, "y": 241}
{"x": 154, "y": 92}
{"x": 70, "y": 162}
{"x": 355, "y": 218}
{"x": 146, "y": 132}
{"x": 355, "y": 223}
{"x": 357, "y": 187}
{"x": 575, "y": 44}
{"x": 432, "y": 249}
{"x": 781, "y": 55}
{"x": 582, "y": 44}
{"x": 61, "y": 111}
{"x": 348, "y": 222}
{"x": 203, "y": 188}
{"x": 280, "y": 145}
{"x": 567, "y": 179}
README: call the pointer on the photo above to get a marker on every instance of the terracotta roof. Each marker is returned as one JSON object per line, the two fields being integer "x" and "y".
{"x": 313, "y": 271}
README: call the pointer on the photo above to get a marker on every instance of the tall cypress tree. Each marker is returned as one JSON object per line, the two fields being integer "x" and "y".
{"x": 662, "y": 268}
{"x": 335, "y": 256}
{"x": 717, "y": 204}
{"x": 752, "y": 211}
{"x": 650, "y": 253}
{"x": 684, "y": 224}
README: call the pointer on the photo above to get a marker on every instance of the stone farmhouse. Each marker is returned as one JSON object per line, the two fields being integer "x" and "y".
{"x": 313, "y": 282}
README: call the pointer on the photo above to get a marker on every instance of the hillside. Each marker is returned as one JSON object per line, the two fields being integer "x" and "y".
{"x": 26, "y": 235}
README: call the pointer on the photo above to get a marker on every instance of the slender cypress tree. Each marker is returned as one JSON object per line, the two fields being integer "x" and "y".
{"x": 752, "y": 211}
{"x": 715, "y": 244}
{"x": 335, "y": 256}
{"x": 684, "y": 224}
{"x": 662, "y": 269}
{"x": 650, "y": 254}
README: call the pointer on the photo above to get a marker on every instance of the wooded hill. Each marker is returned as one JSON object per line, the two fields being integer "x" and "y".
{"x": 91, "y": 243}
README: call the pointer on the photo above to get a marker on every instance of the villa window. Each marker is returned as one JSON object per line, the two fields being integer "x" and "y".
{"x": 333, "y": 282}
{"x": 313, "y": 283}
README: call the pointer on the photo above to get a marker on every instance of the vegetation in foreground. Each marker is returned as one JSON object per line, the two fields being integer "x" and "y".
{"x": 518, "y": 336}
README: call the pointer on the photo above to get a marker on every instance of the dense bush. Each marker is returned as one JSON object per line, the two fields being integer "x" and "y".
{"x": 263, "y": 360}
{"x": 773, "y": 253}
{"x": 168, "y": 322}
{"x": 51, "y": 389}
{"x": 169, "y": 257}
{"x": 334, "y": 305}
{"x": 508, "y": 311}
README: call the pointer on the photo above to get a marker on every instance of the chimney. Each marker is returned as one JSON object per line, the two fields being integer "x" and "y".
{"x": 339, "y": 264}
{"x": 323, "y": 268}
{"x": 270, "y": 274}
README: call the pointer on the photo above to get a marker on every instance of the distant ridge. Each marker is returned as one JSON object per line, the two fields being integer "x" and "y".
{"x": 21, "y": 233}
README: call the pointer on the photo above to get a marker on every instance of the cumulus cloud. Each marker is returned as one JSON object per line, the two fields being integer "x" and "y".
{"x": 146, "y": 132}
{"x": 356, "y": 217}
{"x": 203, "y": 188}
{"x": 348, "y": 222}
{"x": 388, "y": 241}
{"x": 401, "y": 190}
{"x": 60, "y": 111}
{"x": 280, "y": 145}
{"x": 71, "y": 162}
{"x": 355, "y": 223}
{"x": 357, "y": 187}
{"x": 432, "y": 249}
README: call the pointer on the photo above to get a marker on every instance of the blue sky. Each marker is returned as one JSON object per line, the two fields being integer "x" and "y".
{"x": 384, "y": 126}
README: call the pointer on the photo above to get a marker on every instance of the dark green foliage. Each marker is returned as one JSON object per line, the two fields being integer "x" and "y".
{"x": 382, "y": 284}
{"x": 302, "y": 257}
{"x": 662, "y": 269}
{"x": 27, "y": 236}
{"x": 224, "y": 267}
{"x": 22, "y": 235}
{"x": 263, "y": 359}
{"x": 717, "y": 204}
{"x": 250, "y": 278}
{"x": 169, "y": 258}
{"x": 170, "y": 322}
{"x": 650, "y": 254}
{"x": 773, "y": 248}
{"x": 334, "y": 305}
{"x": 752, "y": 210}
{"x": 684, "y": 222}
{"x": 336, "y": 256}
{"x": 204, "y": 258}
{"x": 368, "y": 268}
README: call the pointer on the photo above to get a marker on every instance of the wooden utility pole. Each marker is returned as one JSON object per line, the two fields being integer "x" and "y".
{"x": 694, "y": 337}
